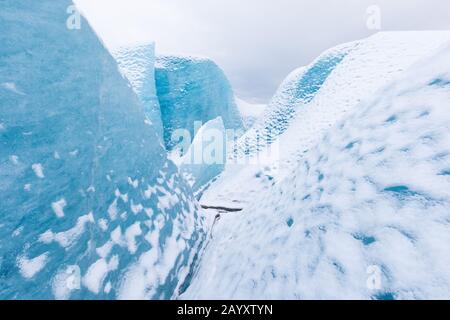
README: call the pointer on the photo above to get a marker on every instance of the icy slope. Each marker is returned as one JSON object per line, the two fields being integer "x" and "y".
{"x": 89, "y": 206}
{"x": 138, "y": 64}
{"x": 193, "y": 90}
{"x": 250, "y": 112}
{"x": 364, "y": 214}
{"x": 371, "y": 64}
{"x": 299, "y": 88}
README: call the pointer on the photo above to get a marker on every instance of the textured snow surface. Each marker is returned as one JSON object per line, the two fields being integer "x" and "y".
{"x": 90, "y": 206}
{"x": 370, "y": 193}
{"x": 193, "y": 89}
{"x": 137, "y": 63}
{"x": 370, "y": 64}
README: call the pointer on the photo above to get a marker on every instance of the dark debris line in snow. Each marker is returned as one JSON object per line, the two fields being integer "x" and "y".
{"x": 219, "y": 208}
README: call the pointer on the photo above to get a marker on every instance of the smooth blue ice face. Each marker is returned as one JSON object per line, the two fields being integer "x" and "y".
{"x": 206, "y": 157}
{"x": 193, "y": 90}
{"x": 137, "y": 63}
{"x": 89, "y": 205}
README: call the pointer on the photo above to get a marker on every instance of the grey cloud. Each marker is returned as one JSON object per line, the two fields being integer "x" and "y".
{"x": 256, "y": 42}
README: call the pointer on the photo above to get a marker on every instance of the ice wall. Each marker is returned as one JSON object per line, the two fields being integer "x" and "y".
{"x": 193, "y": 89}
{"x": 137, "y": 63}
{"x": 89, "y": 205}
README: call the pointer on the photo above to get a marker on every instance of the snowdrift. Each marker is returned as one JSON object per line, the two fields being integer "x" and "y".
{"x": 363, "y": 212}
{"x": 90, "y": 206}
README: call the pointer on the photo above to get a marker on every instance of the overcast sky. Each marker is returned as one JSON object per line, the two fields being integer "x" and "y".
{"x": 256, "y": 42}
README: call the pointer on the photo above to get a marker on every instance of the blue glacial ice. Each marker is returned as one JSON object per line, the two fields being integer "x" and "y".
{"x": 206, "y": 156}
{"x": 137, "y": 63}
{"x": 90, "y": 206}
{"x": 192, "y": 89}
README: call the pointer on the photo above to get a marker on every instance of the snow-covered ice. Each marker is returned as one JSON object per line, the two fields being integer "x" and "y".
{"x": 369, "y": 65}
{"x": 298, "y": 89}
{"x": 370, "y": 197}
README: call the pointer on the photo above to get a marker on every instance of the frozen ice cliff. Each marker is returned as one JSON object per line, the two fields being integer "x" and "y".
{"x": 360, "y": 208}
{"x": 137, "y": 63}
{"x": 192, "y": 89}
{"x": 89, "y": 205}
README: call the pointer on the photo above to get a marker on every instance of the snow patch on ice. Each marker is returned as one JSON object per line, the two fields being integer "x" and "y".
{"x": 11, "y": 86}
{"x": 97, "y": 273}
{"x": 68, "y": 238}
{"x": 30, "y": 267}
{"x": 130, "y": 236}
{"x": 58, "y": 207}
{"x": 38, "y": 170}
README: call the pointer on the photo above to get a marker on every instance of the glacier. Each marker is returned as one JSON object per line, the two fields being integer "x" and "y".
{"x": 137, "y": 63}
{"x": 361, "y": 188}
{"x": 90, "y": 206}
{"x": 193, "y": 89}
{"x": 339, "y": 188}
